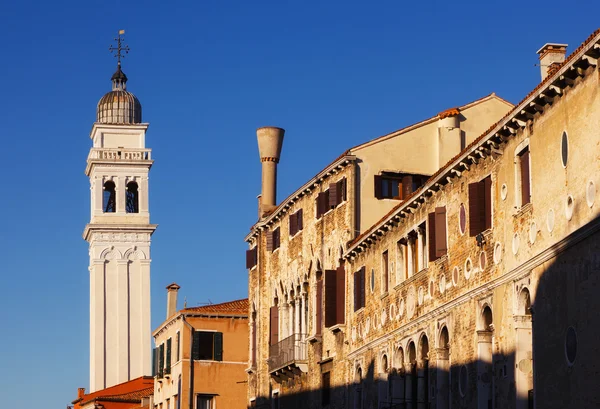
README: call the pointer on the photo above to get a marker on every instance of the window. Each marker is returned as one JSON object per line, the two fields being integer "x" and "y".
{"x": 296, "y": 222}
{"x": 168, "y": 402}
{"x": 319, "y": 307}
{"x": 437, "y": 233}
{"x": 109, "y": 203}
{"x": 251, "y": 257}
{"x": 132, "y": 199}
{"x": 334, "y": 296}
{"x": 160, "y": 360}
{"x": 274, "y": 323}
{"x": 329, "y": 199}
{"x": 168, "y": 358}
{"x": 359, "y": 289}
{"x": 480, "y": 206}
{"x": 273, "y": 239}
{"x": 385, "y": 271}
{"x": 325, "y": 388}
{"x": 204, "y": 402}
{"x": 177, "y": 345}
{"x": 396, "y": 186}
{"x": 207, "y": 346}
{"x": 411, "y": 241}
{"x": 523, "y": 169}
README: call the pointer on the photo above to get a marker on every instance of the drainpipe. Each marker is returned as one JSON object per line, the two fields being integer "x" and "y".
{"x": 192, "y": 330}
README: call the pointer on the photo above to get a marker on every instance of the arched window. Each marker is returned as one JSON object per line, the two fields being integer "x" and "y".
{"x": 524, "y": 302}
{"x": 487, "y": 319}
{"x": 132, "y": 198}
{"x": 109, "y": 202}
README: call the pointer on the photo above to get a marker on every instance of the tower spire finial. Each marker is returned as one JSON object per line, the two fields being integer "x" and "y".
{"x": 119, "y": 78}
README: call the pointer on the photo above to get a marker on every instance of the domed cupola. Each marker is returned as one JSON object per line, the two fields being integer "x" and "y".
{"x": 119, "y": 106}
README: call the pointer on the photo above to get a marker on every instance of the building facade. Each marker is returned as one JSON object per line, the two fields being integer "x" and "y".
{"x": 200, "y": 356}
{"x": 119, "y": 234}
{"x": 473, "y": 288}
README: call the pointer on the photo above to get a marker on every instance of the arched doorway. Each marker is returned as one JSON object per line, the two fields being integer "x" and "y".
{"x": 484, "y": 358}
{"x": 443, "y": 370}
{"x": 397, "y": 379}
{"x": 411, "y": 378}
{"x": 423, "y": 374}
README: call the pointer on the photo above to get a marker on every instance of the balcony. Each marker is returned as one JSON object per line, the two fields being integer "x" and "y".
{"x": 119, "y": 154}
{"x": 289, "y": 357}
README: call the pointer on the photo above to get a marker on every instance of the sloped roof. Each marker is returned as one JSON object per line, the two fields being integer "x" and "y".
{"x": 230, "y": 307}
{"x": 127, "y": 392}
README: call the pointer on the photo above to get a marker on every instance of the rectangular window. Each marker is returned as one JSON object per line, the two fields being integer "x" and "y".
{"x": 396, "y": 186}
{"x": 251, "y": 257}
{"x": 296, "y": 224}
{"x": 168, "y": 357}
{"x": 274, "y": 323}
{"x": 437, "y": 233}
{"x": 329, "y": 199}
{"x": 154, "y": 361}
{"x": 401, "y": 262}
{"x": 207, "y": 346}
{"x": 524, "y": 167}
{"x": 325, "y": 388}
{"x": 385, "y": 271}
{"x": 480, "y": 206}
{"x": 204, "y": 402}
{"x": 359, "y": 289}
{"x": 177, "y": 346}
{"x": 161, "y": 360}
{"x": 273, "y": 239}
{"x": 334, "y": 296}
{"x": 319, "y": 307}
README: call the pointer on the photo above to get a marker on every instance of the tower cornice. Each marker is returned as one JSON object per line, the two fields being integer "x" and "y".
{"x": 117, "y": 228}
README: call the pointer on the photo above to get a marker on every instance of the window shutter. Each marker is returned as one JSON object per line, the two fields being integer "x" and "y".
{"x": 251, "y": 258}
{"x": 333, "y": 195}
{"x": 440, "y": 231}
{"x": 154, "y": 362}
{"x": 378, "y": 182}
{"x": 330, "y": 302}
{"x": 431, "y": 236}
{"x": 269, "y": 241}
{"x": 487, "y": 197}
{"x": 319, "y": 309}
{"x": 525, "y": 187}
{"x": 340, "y": 294}
{"x": 276, "y": 238}
{"x": 476, "y": 206}
{"x": 168, "y": 358}
{"x": 274, "y": 325}
{"x": 300, "y": 220}
{"x": 356, "y": 292}
{"x": 293, "y": 224}
{"x": 161, "y": 360}
{"x": 341, "y": 191}
{"x": 195, "y": 345}
{"x": 362, "y": 287}
{"x": 407, "y": 182}
{"x": 218, "y": 346}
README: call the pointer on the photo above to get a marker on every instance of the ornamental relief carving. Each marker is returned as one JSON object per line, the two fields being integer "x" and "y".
{"x": 121, "y": 237}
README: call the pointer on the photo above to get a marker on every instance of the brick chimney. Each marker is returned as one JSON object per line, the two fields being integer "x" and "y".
{"x": 172, "y": 290}
{"x": 270, "y": 140}
{"x": 551, "y": 56}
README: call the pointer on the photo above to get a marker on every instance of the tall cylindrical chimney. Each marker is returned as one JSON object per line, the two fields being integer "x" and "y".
{"x": 172, "y": 290}
{"x": 551, "y": 56}
{"x": 270, "y": 140}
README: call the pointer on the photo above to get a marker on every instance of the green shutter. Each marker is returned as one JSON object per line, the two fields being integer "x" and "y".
{"x": 154, "y": 352}
{"x": 161, "y": 360}
{"x": 195, "y": 345}
{"x": 218, "y": 346}
{"x": 168, "y": 363}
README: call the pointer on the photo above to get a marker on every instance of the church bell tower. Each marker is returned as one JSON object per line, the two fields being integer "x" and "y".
{"x": 119, "y": 234}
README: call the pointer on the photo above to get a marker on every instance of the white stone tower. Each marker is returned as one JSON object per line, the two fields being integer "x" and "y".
{"x": 119, "y": 239}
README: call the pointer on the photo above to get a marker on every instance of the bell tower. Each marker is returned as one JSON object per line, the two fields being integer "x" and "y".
{"x": 119, "y": 235}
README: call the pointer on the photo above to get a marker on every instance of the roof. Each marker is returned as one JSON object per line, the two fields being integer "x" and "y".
{"x": 127, "y": 392}
{"x": 135, "y": 396}
{"x": 506, "y": 122}
{"x": 230, "y": 307}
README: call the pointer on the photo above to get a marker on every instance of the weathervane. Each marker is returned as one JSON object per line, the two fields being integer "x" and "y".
{"x": 121, "y": 49}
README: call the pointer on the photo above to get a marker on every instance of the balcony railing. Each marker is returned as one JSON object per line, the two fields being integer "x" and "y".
{"x": 118, "y": 154}
{"x": 289, "y": 351}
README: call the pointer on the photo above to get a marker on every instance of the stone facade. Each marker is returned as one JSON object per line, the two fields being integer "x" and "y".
{"x": 476, "y": 290}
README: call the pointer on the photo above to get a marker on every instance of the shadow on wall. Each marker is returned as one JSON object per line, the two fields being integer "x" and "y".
{"x": 555, "y": 363}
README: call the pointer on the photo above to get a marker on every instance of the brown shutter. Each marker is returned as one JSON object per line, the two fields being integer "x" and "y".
{"x": 269, "y": 241}
{"x": 362, "y": 287}
{"x": 378, "y": 182}
{"x": 333, "y": 195}
{"x": 356, "y": 292}
{"x": 276, "y": 238}
{"x": 254, "y": 342}
{"x": 330, "y": 302}
{"x": 431, "y": 236}
{"x": 487, "y": 195}
{"x": 385, "y": 271}
{"x": 251, "y": 258}
{"x": 440, "y": 231}
{"x": 274, "y": 325}
{"x": 525, "y": 187}
{"x": 476, "y": 205}
{"x": 322, "y": 202}
{"x": 407, "y": 182}
{"x": 300, "y": 221}
{"x": 319, "y": 309}
{"x": 293, "y": 224}
{"x": 342, "y": 190}
{"x": 340, "y": 296}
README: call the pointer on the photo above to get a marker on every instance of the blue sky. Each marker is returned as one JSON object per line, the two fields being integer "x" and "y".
{"x": 208, "y": 73}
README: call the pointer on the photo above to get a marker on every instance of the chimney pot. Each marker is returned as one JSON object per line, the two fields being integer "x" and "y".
{"x": 172, "y": 290}
{"x": 270, "y": 141}
{"x": 551, "y": 54}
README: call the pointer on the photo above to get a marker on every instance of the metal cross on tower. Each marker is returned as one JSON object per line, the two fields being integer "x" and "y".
{"x": 121, "y": 49}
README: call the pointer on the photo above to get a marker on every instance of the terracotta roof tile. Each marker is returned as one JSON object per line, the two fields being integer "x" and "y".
{"x": 130, "y": 396}
{"x": 230, "y": 307}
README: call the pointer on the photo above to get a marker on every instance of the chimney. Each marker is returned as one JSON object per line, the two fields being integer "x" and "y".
{"x": 270, "y": 140}
{"x": 80, "y": 393}
{"x": 450, "y": 137}
{"x": 551, "y": 56}
{"x": 172, "y": 299}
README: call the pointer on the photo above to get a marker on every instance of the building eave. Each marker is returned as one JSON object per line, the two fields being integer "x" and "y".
{"x": 117, "y": 227}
